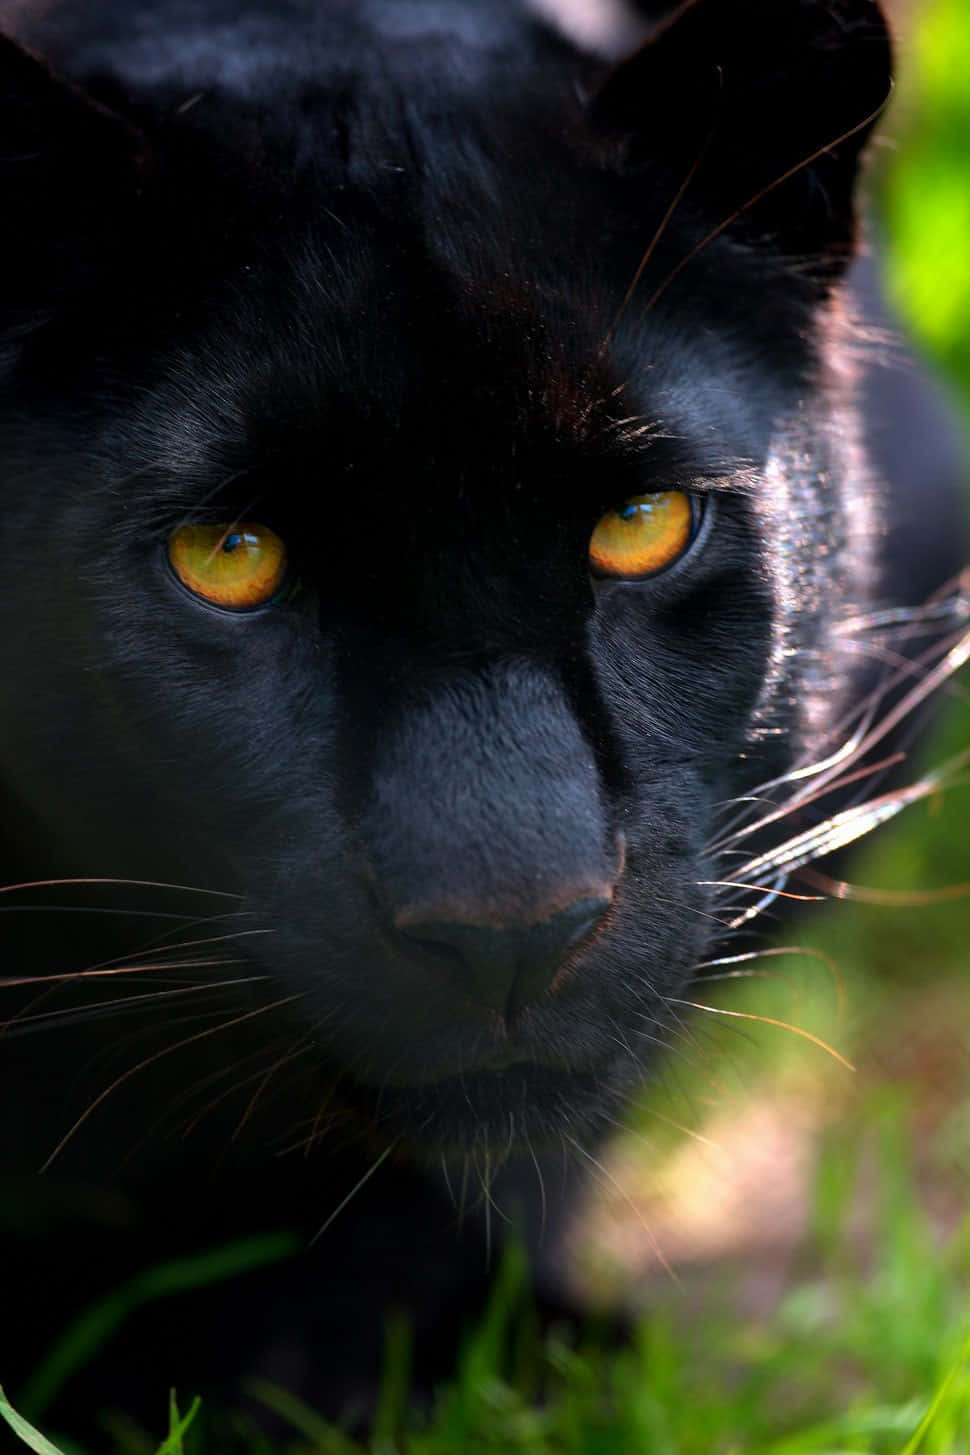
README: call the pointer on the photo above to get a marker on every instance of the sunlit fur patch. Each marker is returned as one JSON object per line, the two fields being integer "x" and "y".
{"x": 758, "y": 880}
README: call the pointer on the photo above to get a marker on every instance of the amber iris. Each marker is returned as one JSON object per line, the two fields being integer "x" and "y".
{"x": 237, "y": 566}
{"x": 643, "y": 535}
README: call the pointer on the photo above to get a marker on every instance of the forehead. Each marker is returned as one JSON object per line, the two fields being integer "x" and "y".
{"x": 362, "y": 375}
{"x": 456, "y": 305}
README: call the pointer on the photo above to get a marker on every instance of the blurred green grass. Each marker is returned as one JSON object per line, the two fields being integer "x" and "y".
{"x": 927, "y": 186}
{"x": 863, "y": 1342}
{"x": 871, "y": 1353}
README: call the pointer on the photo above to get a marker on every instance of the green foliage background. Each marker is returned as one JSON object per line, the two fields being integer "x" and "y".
{"x": 927, "y": 192}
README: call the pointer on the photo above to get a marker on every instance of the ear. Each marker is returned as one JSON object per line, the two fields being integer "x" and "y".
{"x": 765, "y": 105}
{"x": 69, "y": 168}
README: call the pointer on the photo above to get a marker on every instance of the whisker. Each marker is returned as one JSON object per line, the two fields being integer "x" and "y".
{"x": 446, "y": 1176}
{"x": 901, "y": 665}
{"x": 852, "y": 823}
{"x": 679, "y": 1031}
{"x": 353, "y": 1192}
{"x": 657, "y": 1041}
{"x": 100, "y": 973}
{"x": 804, "y": 800}
{"x": 949, "y": 603}
{"x": 189, "y": 1126}
{"x": 186, "y": 1093}
{"x": 775, "y": 951}
{"x": 291, "y": 1055}
{"x": 52, "y": 983}
{"x": 746, "y": 1015}
{"x": 651, "y": 247}
{"x": 484, "y": 1180}
{"x": 761, "y": 905}
{"x": 163, "y": 946}
{"x": 157, "y": 1056}
{"x": 169, "y": 947}
{"x": 887, "y": 898}
{"x": 955, "y": 657}
{"x": 605, "y": 1173}
{"x": 759, "y": 889}
{"x": 127, "y": 883}
{"x": 315, "y": 1131}
{"x": 543, "y": 1207}
{"x": 923, "y": 667}
{"x": 90, "y": 909}
{"x": 757, "y": 197}
{"x": 122, "y": 965}
{"x": 51, "y": 1019}
{"x": 955, "y": 652}
{"x": 659, "y": 1116}
{"x": 754, "y": 975}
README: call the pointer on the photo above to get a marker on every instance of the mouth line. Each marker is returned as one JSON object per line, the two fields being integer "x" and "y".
{"x": 493, "y": 1065}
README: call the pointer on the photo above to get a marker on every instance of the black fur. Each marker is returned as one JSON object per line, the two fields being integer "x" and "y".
{"x": 362, "y": 271}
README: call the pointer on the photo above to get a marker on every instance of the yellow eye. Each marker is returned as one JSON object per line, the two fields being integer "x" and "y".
{"x": 644, "y": 534}
{"x": 237, "y": 566}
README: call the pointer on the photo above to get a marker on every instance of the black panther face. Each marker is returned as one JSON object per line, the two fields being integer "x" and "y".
{"x": 426, "y": 506}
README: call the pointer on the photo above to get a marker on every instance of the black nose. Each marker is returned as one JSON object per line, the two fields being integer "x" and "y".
{"x": 504, "y": 967}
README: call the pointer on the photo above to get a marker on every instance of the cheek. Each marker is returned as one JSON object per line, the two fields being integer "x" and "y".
{"x": 688, "y": 677}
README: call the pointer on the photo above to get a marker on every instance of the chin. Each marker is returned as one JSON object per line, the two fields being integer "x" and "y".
{"x": 487, "y": 1114}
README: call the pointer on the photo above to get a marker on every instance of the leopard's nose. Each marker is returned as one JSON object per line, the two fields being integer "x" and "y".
{"x": 502, "y": 967}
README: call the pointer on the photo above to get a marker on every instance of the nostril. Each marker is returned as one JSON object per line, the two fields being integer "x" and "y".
{"x": 562, "y": 933}
{"x": 503, "y": 967}
{"x": 434, "y": 949}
